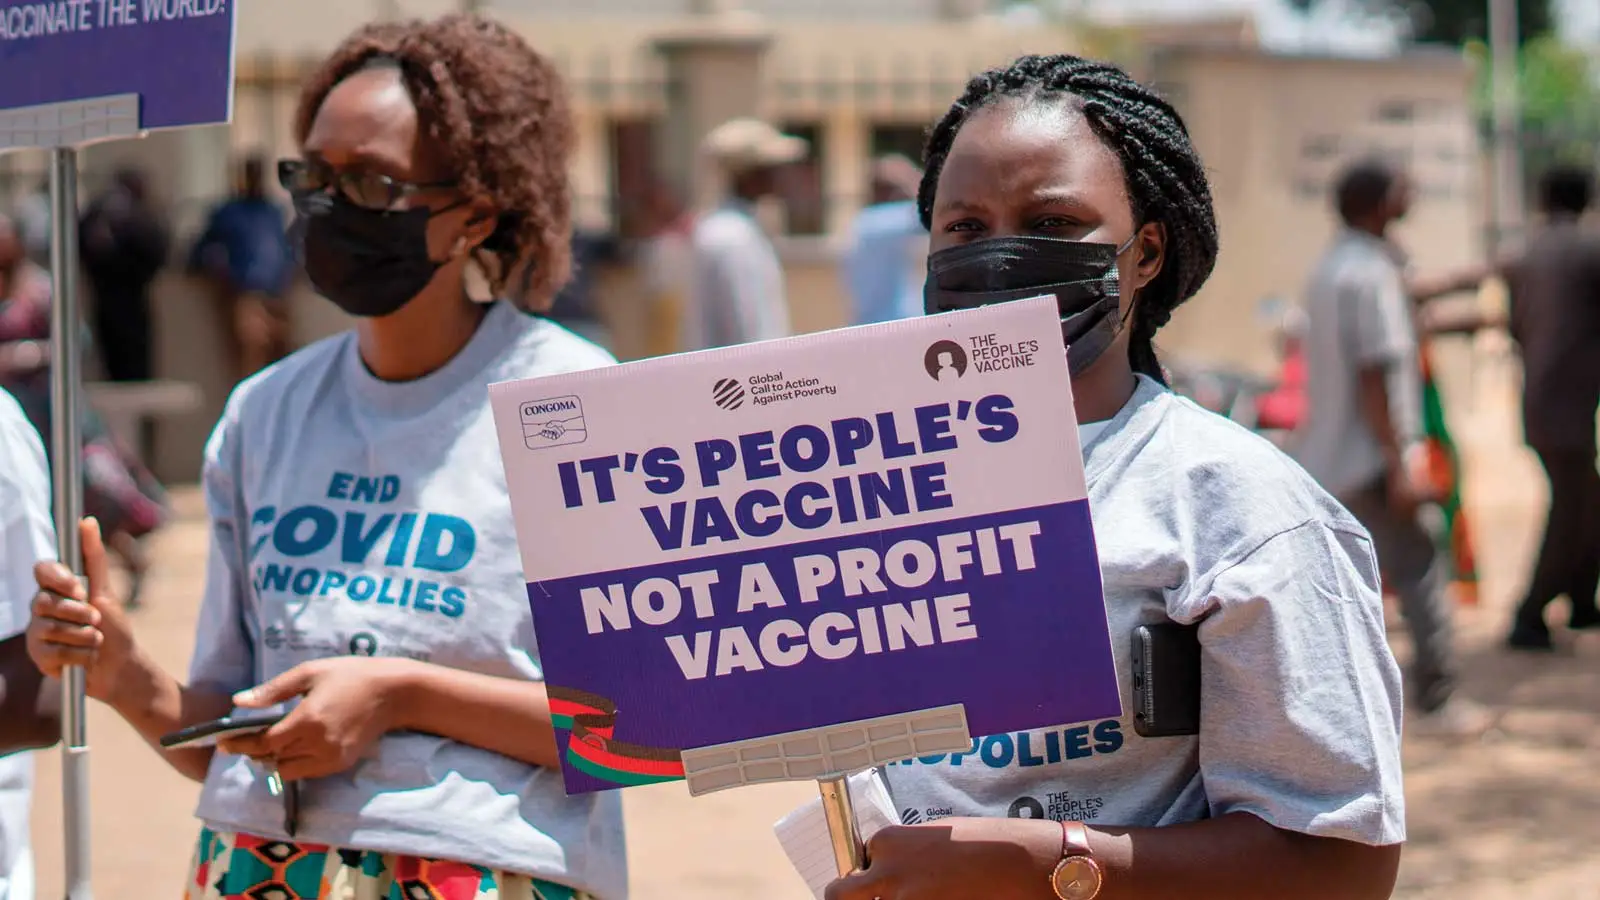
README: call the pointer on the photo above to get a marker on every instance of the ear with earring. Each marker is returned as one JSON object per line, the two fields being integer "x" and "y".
{"x": 476, "y": 278}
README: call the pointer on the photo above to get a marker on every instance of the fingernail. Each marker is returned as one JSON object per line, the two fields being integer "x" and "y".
{"x": 244, "y": 696}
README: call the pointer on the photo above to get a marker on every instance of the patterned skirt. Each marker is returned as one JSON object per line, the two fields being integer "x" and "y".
{"x": 241, "y": 867}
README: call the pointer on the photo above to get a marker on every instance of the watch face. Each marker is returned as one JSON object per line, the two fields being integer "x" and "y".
{"x": 1077, "y": 878}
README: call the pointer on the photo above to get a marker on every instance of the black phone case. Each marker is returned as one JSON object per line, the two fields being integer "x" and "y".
{"x": 1166, "y": 680}
{"x": 206, "y": 729}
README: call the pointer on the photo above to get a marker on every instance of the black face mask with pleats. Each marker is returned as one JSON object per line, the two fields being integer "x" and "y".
{"x": 368, "y": 262}
{"x": 1081, "y": 276}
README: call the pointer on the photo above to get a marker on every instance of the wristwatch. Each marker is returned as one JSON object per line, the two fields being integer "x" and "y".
{"x": 1078, "y": 876}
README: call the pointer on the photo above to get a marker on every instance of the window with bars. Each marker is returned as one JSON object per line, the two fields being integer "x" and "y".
{"x": 901, "y": 138}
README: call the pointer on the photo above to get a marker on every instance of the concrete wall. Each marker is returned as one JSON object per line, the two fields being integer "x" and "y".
{"x": 1274, "y": 131}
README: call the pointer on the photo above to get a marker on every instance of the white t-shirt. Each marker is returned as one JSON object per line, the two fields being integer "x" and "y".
{"x": 1199, "y": 521}
{"x": 26, "y": 536}
{"x": 353, "y": 516}
{"x": 1357, "y": 316}
{"x": 738, "y": 282}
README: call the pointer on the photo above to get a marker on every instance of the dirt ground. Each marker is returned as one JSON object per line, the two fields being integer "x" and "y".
{"x": 1516, "y": 815}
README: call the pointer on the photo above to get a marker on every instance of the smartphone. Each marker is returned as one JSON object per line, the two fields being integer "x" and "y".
{"x": 207, "y": 734}
{"x": 1166, "y": 680}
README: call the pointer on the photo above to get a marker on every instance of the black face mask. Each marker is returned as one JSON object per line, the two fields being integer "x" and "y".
{"x": 368, "y": 262}
{"x": 1082, "y": 276}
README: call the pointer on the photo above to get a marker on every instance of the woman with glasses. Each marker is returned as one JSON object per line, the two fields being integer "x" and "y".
{"x": 364, "y": 574}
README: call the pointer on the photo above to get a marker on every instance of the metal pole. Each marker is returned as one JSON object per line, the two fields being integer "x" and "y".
{"x": 1508, "y": 205}
{"x": 67, "y": 469}
{"x": 849, "y": 851}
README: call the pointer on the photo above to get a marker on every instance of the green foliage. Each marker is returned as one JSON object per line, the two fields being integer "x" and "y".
{"x": 1559, "y": 88}
{"x": 1454, "y": 22}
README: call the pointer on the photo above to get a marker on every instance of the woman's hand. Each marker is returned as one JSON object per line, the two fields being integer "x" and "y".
{"x": 350, "y": 702}
{"x": 78, "y": 624}
{"x": 957, "y": 859}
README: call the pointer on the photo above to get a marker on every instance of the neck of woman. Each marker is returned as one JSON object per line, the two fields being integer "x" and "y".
{"x": 420, "y": 337}
{"x": 1101, "y": 392}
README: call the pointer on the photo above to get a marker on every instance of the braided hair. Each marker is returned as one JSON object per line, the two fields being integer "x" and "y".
{"x": 1166, "y": 180}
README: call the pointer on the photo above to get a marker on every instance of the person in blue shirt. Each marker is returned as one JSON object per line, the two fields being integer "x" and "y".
{"x": 888, "y": 246}
{"x": 245, "y": 252}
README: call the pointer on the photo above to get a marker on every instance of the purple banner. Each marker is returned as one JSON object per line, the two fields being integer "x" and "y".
{"x": 999, "y": 612}
{"x": 177, "y": 55}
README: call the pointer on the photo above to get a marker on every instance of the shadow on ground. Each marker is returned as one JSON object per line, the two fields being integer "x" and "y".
{"x": 1525, "y": 800}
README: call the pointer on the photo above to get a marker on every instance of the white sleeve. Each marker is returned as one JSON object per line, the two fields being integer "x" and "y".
{"x": 26, "y": 532}
{"x": 1301, "y": 697}
{"x": 225, "y": 637}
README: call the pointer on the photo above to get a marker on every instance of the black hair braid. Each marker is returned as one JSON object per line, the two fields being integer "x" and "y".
{"x": 1166, "y": 180}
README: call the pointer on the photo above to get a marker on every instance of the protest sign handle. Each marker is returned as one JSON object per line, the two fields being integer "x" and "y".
{"x": 849, "y": 851}
{"x": 67, "y": 472}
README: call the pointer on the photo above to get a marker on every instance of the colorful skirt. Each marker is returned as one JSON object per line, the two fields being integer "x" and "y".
{"x": 241, "y": 867}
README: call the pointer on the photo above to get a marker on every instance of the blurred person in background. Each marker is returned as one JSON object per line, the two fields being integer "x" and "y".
{"x": 1555, "y": 320}
{"x": 34, "y": 215}
{"x": 419, "y": 737}
{"x": 738, "y": 279}
{"x": 887, "y": 252}
{"x": 28, "y": 702}
{"x": 1363, "y": 433}
{"x": 1554, "y": 306}
{"x": 117, "y": 488}
{"x": 124, "y": 245}
{"x": 575, "y": 306}
{"x": 246, "y": 257}
{"x": 666, "y": 265}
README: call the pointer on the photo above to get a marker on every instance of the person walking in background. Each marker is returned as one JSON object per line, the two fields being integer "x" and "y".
{"x": 244, "y": 253}
{"x": 124, "y": 245}
{"x": 1362, "y": 438}
{"x": 888, "y": 247}
{"x": 117, "y": 489}
{"x": 738, "y": 280}
{"x": 27, "y": 716}
{"x": 1555, "y": 319}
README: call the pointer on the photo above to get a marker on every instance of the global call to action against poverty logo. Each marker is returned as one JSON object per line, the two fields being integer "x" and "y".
{"x": 728, "y": 394}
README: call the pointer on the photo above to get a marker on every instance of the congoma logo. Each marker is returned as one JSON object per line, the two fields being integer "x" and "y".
{"x": 728, "y": 394}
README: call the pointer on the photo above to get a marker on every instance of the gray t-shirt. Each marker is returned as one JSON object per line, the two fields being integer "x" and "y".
{"x": 738, "y": 294}
{"x": 356, "y": 516}
{"x": 1198, "y": 520}
{"x": 26, "y": 536}
{"x": 1357, "y": 316}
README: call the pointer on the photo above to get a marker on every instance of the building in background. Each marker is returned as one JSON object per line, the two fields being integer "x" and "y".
{"x": 857, "y": 79}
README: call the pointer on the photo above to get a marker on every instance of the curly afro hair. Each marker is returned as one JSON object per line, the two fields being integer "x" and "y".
{"x": 498, "y": 112}
{"x": 1165, "y": 176}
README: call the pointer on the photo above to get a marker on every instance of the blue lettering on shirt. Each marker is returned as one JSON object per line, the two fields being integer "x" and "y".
{"x": 1031, "y": 749}
{"x": 370, "y": 547}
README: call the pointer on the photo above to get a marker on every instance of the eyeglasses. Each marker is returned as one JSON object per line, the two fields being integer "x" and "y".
{"x": 365, "y": 189}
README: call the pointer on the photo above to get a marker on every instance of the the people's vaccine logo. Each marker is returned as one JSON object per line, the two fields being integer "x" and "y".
{"x": 728, "y": 393}
{"x": 553, "y": 422}
{"x": 364, "y": 643}
{"x": 945, "y": 361}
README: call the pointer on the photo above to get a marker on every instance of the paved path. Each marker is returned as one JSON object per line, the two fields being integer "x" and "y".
{"x": 1516, "y": 816}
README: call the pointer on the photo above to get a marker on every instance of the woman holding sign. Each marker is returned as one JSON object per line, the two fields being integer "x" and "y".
{"x": 1221, "y": 559}
{"x": 364, "y": 575}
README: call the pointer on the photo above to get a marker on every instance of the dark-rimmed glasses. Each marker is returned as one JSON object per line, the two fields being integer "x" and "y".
{"x": 368, "y": 190}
